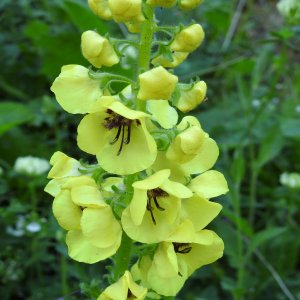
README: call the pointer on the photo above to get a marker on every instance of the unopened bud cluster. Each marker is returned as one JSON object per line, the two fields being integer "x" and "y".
{"x": 152, "y": 182}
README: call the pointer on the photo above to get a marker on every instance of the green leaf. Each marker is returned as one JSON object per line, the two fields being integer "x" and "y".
{"x": 291, "y": 128}
{"x": 237, "y": 169}
{"x": 264, "y": 236}
{"x": 271, "y": 146}
{"x": 13, "y": 114}
{"x": 82, "y": 17}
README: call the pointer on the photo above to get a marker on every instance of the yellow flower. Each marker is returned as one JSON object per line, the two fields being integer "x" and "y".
{"x": 125, "y": 10}
{"x": 118, "y": 137}
{"x": 154, "y": 209}
{"x": 100, "y": 8}
{"x": 197, "y": 212}
{"x": 177, "y": 59}
{"x": 209, "y": 184}
{"x": 135, "y": 24}
{"x": 162, "y": 3}
{"x": 98, "y": 50}
{"x": 163, "y": 113}
{"x": 189, "y": 4}
{"x": 189, "y": 99}
{"x": 205, "y": 158}
{"x": 75, "y": 91}
{"x": 186, "y": 145}
{"x": 176, "y": 259}
{"x": 156, "y": 84}
{"x": 93, "y": 232}
{"x": 124, "y": 289}
{"x": 63, "y": 167}
{"x": 160, "y": 110}
{"x": 188, "y": 39}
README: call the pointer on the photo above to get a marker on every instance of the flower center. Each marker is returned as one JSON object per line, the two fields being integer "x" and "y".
{"x": 122, "y": 124}
{"x": 130, "y": 296}
{"x": 152, "y": 197}
{"x": 182, "y": 248}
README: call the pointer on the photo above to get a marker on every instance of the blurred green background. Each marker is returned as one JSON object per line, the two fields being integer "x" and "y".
{"x": 250, "y": 61}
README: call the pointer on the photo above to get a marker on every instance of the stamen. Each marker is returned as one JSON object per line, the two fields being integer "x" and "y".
{"x": 122, "y": 140}
{"x": 127, "y": 140}
{"x": 157, "y": 205}
{"x": 117, "y": 121}
{"x": 182, "y": 248}
{"x": 117, "y": 136}
{"x": 152, "y": 195}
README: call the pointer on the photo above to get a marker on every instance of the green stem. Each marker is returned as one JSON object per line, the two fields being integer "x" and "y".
{"x": 146, "y": 40}
{"x": 145, "y": 47}
{"x": 238, "y": 293}
{"x": 123, "y": 257}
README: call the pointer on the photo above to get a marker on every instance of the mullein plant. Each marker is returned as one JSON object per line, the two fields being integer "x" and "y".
{"x": 147, "y": 201}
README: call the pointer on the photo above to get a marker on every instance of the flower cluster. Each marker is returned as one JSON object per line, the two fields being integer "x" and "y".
{"x": 153, "y": 181}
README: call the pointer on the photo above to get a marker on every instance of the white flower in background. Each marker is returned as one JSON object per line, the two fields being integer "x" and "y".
{"x": 290, "y": 9}
{"x": 33, "y": 227}
{"x": 291, "y": 180}
{"x": 298, "y": 108}
{"x": 18, "y": 230}
{"x": 256, "y": 103}
{"x": 29, "y": 165}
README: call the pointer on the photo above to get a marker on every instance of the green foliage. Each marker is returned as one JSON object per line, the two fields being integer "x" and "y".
{"x": 253, "y": 112}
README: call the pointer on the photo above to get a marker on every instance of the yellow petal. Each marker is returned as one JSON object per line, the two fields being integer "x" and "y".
{"x": 165, "y": 260}
{"x": 204, "y": 160}
{"x": 66, "y": 212}
{"x": 87, "y": 196}
{"x": 92, "y": 136}
{"x": 163, "y": 113}
{"x": 199, "y": 211}
{"x": 209, "y": 249}
{"x": 120, "y": 289}
{"x": 153, "y": 181}
{"x": 63, "y": 166}
{"x": 80, "y": 248}
{"x": 54, "y": 186}
{"x": 176, "y": 189}
{"x": 138, "y": 206}
{"x": 209, "y": 184}
{"x": 136, "y": 156}
{"x": 147, "y": 231}
{"x": 100, "y": 227}
{"x": 75, "y": 91}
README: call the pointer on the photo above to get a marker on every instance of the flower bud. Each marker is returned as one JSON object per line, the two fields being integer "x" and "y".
{"x": 186, "y": 145}
{"x": 97, "y": 50}
{"x": 100, "y": 8}
{"x": 161, "y": 3}
{"x": 125, "y": 10}
{"x": 156, "y": 84}
{"x": 178, "y": 58}
{"x": 190, "y": 99}
{"x": 135, "y": 25}
{"x": 188, "y": 39}
{"x": 189, "y": 4}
